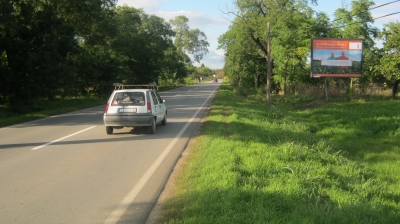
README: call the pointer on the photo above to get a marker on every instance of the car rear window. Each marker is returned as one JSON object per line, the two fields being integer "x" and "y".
{"x": 128, "y": 99}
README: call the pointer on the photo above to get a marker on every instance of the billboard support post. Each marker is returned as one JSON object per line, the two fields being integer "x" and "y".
{"x": 326, "y": 90}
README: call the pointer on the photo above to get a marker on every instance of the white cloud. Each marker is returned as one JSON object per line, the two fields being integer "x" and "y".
{"x": 145, "y": 4}
{"x": 213, "y": 60}
{"x": 212, "y": 26}
{"x": 220, "y": 53}
{"x": 196, "y": 19}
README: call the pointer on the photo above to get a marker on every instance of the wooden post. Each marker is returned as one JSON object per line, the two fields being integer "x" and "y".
{"x": 326, "y": 90}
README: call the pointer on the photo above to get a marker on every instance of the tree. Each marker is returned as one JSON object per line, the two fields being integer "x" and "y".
{"x": 390, "y": 61}
{"x": 173, "y": 68}
{"x": 203, "y": 71}
{"x": 38, "y": 42}
{"x": 64, "y": 48}
{"x": 191, "y": 41}
{"x": 356, "y": 23}
{"x": 142, "y": 44}
{"x": 96, "y": 63}
{"x": 291, "y": 43}
{"x": 244, "y": 62}
{"x": 282, "y": 17}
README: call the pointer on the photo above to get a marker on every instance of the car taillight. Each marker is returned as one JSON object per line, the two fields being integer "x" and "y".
{"x": 106, "y": 109}
{"x": 148, "y": 107}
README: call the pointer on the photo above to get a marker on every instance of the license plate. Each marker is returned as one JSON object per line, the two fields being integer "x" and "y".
{"x": 126, "y": 110}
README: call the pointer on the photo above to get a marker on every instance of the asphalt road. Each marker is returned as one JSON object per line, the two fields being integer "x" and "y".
{"x": 66, "y": 169}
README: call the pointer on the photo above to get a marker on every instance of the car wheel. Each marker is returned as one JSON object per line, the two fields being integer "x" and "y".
{"x": 164, "y": 121}
{"x": 152, "y": 127}
{"x": 109, "y": 130}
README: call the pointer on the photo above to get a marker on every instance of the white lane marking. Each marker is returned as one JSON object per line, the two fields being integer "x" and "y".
{"x": 123, "y": 205}
{"x": 49, "y": 143}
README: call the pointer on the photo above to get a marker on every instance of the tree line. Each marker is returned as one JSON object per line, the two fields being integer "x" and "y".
{"x": 293, "y": 23}
{"x": 62, "y": 48}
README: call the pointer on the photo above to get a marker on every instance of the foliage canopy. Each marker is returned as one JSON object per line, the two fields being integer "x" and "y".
{"x": 61, "y": 48}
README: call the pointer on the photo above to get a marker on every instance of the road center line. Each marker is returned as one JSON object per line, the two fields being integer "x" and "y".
{"x": 49, "y": 143}
{"x": 123, "y": 205}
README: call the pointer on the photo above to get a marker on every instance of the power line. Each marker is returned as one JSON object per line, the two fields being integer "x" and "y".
{"x": 383, "y": 5}
{"x": 386, "y": 15}
{"x": 275, "y": 33}
{"x": 365, "y": 21}
{"x": 378, "y": 6}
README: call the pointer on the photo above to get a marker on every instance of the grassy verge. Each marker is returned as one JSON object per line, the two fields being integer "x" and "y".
{"x": 335, "y": 163}
{"x": 48, "y": 108}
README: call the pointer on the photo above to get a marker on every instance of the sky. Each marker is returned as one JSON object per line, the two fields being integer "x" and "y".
{"x": 210, "y": 16}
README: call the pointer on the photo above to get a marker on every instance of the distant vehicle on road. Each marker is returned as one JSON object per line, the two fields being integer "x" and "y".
{"x": 138, "y": 106}
{"x": 215, "y": 80}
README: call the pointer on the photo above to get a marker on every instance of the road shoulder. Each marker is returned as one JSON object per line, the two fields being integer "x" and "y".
{"x": 169, "y": 189}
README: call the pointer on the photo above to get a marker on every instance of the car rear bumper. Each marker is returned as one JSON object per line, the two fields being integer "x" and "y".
{"x": 128, "y": 121}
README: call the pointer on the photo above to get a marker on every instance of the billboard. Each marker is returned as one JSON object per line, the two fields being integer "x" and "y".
{"x": 336, "y": 57}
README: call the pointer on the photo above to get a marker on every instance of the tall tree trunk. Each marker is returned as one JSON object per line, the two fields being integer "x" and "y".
{"x": 291, "y": 78}
{"x": 285, "y": 77}
{"x": 372, "y": 87}
{"x": 269, "y": 68}
{"x": 394, "y": 89}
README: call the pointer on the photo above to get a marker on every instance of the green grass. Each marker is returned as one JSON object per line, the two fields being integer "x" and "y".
{"x": 334, "y": 163}
{"x": 323, "y": 163}
{"x": 48, "y": 108}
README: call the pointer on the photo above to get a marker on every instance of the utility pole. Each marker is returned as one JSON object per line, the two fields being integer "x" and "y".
{"x": 269, "y": 69}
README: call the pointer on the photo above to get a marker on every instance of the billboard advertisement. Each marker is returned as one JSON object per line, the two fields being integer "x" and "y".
{"x": 336, "y": 57}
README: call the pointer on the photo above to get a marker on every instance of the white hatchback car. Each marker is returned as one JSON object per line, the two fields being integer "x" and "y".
{"x": 134, "y": 108}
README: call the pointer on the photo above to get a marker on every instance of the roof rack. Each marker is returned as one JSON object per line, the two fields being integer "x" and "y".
{"x": 119, "y": 86}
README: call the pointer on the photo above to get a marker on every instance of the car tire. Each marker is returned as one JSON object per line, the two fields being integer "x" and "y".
{"x": 152, "y": 127}
{"x": 109, "y": 130}
{"x": 164, "y": 121}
